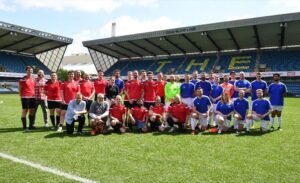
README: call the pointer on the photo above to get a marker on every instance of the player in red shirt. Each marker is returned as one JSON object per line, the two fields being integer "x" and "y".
{"x": 157, "y": 115}
{"x": 178, "y": 114}
{"x": 126, "y": 87}
{"x": 69, "y": 89}
{"x": 117, "y": 113}
{"x": 139, "y": 115}
{"x": 27, "y": 94}
{"x": 77, "y": 76}
{"x": 52, "y": 91}
{"x": 100, "y": 84}
{"x": 87, "y": 90}
{"x": 160, "y": 89}
{"x": 149, "y": 91}
{"x": 135, "y": 90}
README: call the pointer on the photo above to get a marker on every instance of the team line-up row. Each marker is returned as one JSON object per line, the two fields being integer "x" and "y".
{"x": 150, "y": 104}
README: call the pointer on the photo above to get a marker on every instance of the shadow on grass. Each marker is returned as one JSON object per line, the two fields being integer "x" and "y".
{"x": 12, "y": 130}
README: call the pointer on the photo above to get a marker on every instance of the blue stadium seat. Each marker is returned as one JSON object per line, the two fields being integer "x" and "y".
{"x": 238, "y": 62}
{"x": 281, "y": 60}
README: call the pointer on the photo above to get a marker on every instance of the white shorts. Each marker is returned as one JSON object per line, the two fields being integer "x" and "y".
{"x": 214, "y": 108}
{"x": 276, "y": 108}
{"x": 226, "y": 121}
{"x": 188, "y": 101}
{"x": 203, "y": 122}
{"x": 263, "y": 123}
{"x": 240, "y": 122}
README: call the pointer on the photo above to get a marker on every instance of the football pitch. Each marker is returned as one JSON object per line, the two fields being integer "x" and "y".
{"x": 151, "y": 157}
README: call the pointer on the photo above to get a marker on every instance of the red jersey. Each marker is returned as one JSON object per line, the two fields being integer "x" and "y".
{"x": 135, "y": 89}
{"x": 149, "y": 91}
{"x": 117, "y": 111}
{"x": 69, "y": 89}
{"x": 53, "y": 90}
{"x": 27, "y": 85}
{"x": 179, "y": 111}
{"x": 160, "y": 90}
{"x": 100, "y": 86}
{"x": 126, "y": 88}
{"x": 158, "y": 109}
{"x": 86, "y": 88}
{"x": 139, "y": 113}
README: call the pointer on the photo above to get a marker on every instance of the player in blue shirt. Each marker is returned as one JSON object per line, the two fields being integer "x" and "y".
{"x": 204, "y": 84}
{"x": 276, "y": 92}
{"x": 187, "y": 90}
{"x": 243, "y": 84}
{"x": 119, "y": 82}
{"x": 241, "y": 107}
{"x": 261, "y": 108}
{"x": 215, "y": 96}
{"x": 232, "y": 81}
{"x": 258, "y": 84}
{"x": 201, "y": 108}
{"x": 224, "y": 110}
{"x": 195, "y": 79}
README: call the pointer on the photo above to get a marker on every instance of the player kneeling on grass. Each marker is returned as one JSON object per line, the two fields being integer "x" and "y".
{"x": 157, "y": 115}
{"x": 224, "y": 110}
{"x": 201, "y": 108}
{"x": 117, "y": 113}
{"x": 261, "y": 108}
{"x": 241, "y": 107}
{"x": 98, "y": 112}
{"x": 178, "y": 115}
{"x": 75, "y": 112}
{"x": 138, "y": 115}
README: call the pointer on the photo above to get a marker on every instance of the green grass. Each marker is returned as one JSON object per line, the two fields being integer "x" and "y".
{"x": 151, "y": 157}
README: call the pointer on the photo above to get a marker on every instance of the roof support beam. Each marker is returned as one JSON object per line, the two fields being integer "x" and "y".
{"x": 192, "y": 43}
{"x": 5, "y": 34}
{"x": 142, "y": 48}
{"x": 53, "y": 48}
{"x": 17, "y": 42}
{"x": 118, "y": 52}
{"x": 283, "y": 26}
{"x": 213, "y": 42}
{"x": 33, "y": 46}
{"x": 175, "y": 45}
{"x": 257, "y": 36}
{"x": 233, "y": 39}
{"x": 127, "y": 49}
{"x": 155, "y": 45}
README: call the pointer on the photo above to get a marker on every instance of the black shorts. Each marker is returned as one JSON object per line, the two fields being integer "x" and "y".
{"x": 63, "y": 106}
{"x": 88, "y": 104}
{"x": 28, "y": 103}
{"x": 148, "y": 104}
{"x": 53, "y": 104}
{"x": 162, "y": 99}
{"x": 155, "y": 125}
{"x": 129, "y": 105}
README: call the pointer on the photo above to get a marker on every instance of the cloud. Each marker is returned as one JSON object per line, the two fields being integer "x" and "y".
{"x": 125, "y": 25}
{"x": 285, "y": 6}
{"x": 74, "y": 5}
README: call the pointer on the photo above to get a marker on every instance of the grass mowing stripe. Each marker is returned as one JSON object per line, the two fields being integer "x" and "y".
{"x": 46, "y": 169}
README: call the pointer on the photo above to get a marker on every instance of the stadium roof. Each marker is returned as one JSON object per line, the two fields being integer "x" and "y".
{"x": 253, "y": 33}
{"x": 30, "y": 41}
{"x": 48, "y": 48}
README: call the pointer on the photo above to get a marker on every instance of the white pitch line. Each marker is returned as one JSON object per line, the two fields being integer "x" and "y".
{"x": 46, "y": 169}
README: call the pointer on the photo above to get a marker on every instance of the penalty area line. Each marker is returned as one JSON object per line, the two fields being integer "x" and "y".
{"x": 46, "y": 169}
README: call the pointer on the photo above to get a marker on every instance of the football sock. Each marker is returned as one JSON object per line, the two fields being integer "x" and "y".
{"x": 193, "y": 123}
{"x": 279, "y": 122}
{"x": 248, "y": 123}
{"x": 272, "y": 122}
{"x": 52, "y": 119}
{"x": 23, "y": 122}
{"x": 57, "y": 120}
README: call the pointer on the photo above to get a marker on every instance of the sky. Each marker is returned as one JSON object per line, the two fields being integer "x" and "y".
{"x": 91, "y": 19}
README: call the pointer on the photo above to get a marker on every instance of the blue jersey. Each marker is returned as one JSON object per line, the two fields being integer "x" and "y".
{"x": 235, "y": 93}
{"x": 194, "y": 81}
{"x": 276, "y": 92}
{"x": 216, "y": 91}
{"x": 243, "y": 84}
{"x": 187, "y": 90}
{"x": 261, "y": 107}
{"x": 225, "y": 108}
{"x": 120, "y": 84}
{"x": 255, "y": 85}
{"x": 202, "y": 104}
{"x": 241, "y": 106}
{"x": 205, "y": 85}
